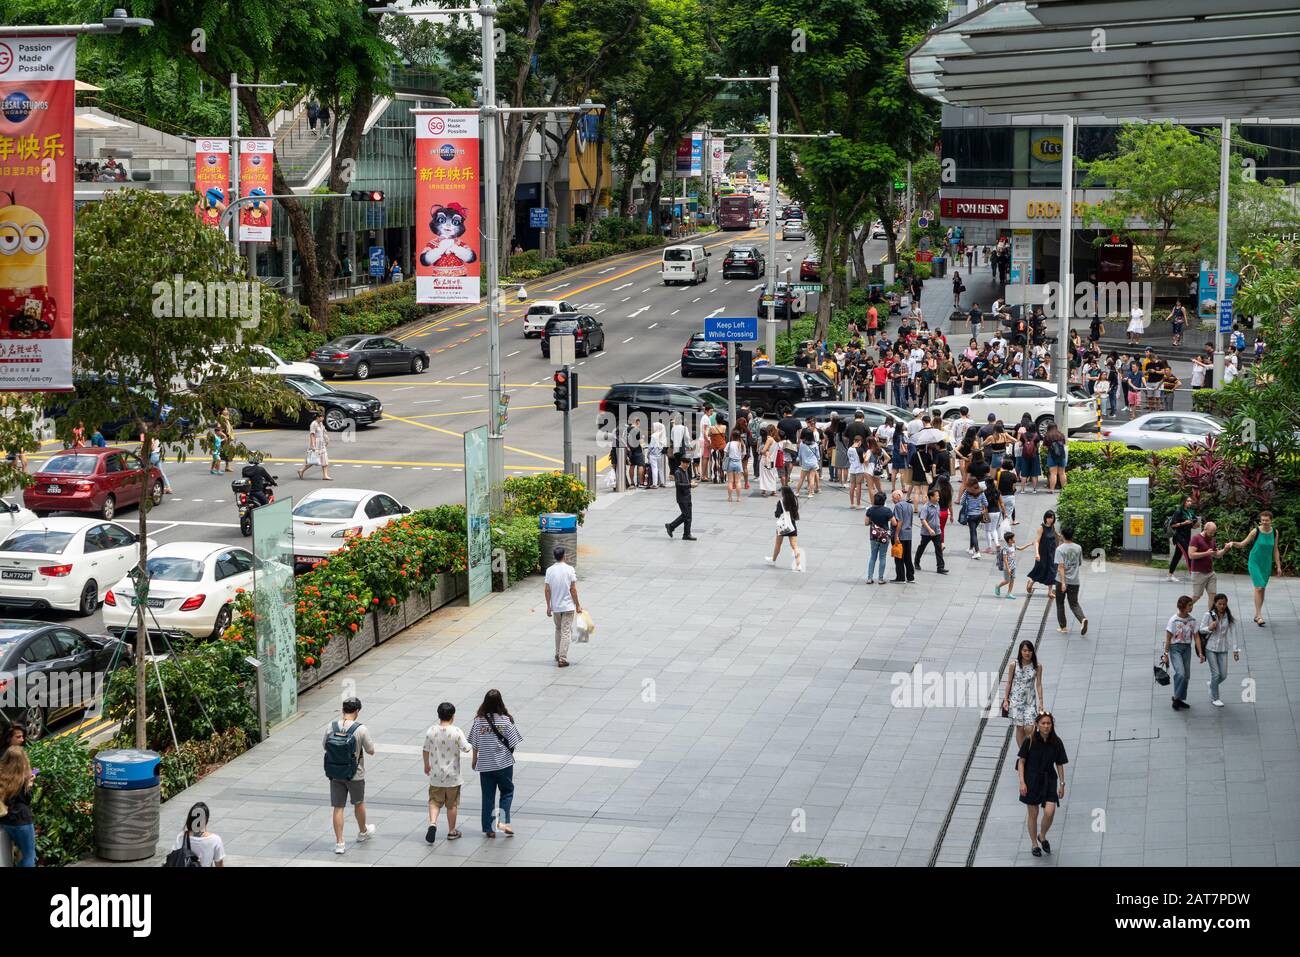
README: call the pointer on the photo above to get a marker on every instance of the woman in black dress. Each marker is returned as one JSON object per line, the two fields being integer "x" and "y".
{"x": 1042, "y": 779}
{"x": 1044, "y": 570}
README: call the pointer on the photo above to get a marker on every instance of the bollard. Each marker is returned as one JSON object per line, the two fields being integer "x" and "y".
{"x": 620, "y": 478}
{"x": 591, "y": 475}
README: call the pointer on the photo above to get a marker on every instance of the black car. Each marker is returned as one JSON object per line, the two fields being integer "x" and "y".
{"x": 775, "y": 390}
{"x": 787, "y": 303}
{"x": 588, "y": 334}
{"x": 339, "y": 407}
{"x": 650, "y": 402}
{"x": 743, "y": 261}
{"x": 363, "y": 356}
{"x": 702, "y": 357}
{"x": 49, "y": 671}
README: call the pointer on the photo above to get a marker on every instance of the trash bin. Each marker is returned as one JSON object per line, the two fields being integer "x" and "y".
{"x": 558, "y": 529}
{"x": 128, "y": 795}
{"x": 938, "y": 267}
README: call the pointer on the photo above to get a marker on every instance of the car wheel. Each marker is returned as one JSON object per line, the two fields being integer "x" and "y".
{"x": 952, "y": 414}
{"x": 327, "y": 375}
{"x": 685, "y": 374}
{"x": 1043, "y": 424}
{"x": 108, "y": 509}
{"x": 363, "y": 370}
{"x": 336, "y": 421}
{"x": 417, "y": 365}
{"x": 33, "y": 720}
{"x": 89, "y": 603}
{"x": 156, "y": 493}
{"x": 222, "y": 623}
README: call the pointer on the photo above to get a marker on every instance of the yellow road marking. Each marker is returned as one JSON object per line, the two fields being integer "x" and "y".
{"x": 511, "y": 448}
{"x": 440, "y": 465}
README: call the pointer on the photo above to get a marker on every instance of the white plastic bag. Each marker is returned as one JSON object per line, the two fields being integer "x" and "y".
{"x": 608, "y": 480}
{"x": 583, "y": 627}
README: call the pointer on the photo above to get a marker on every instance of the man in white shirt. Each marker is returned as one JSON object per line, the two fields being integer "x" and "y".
{"x": 960, "y": 426}
{"x": 1230, "y": 369}
{"x": 562, "y": 603}
{"x": 444, "y": 743}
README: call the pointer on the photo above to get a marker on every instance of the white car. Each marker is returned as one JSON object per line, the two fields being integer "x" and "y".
{"x": 64, "y": 563}
{"x": 539, "y": 312}
{"x": 878, "y": 230}
{"x": 192, "y": 587}
{"x": 274, "y": 364}
{"x": 1010, "y": 399}
{"x": 1164, "y": 430}
{"x": 13, "y": 515}
{"x": 793, "y": 229}
{"x": 325, "y": 519}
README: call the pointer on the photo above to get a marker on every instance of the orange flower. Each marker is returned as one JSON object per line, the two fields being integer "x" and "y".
{"x": 239, "y": 591}
{"x": 310, "y": 660}
{"x": 392, "y": 601}
{"x": 353, "y": 626}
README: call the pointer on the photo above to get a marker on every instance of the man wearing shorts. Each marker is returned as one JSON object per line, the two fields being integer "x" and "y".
{"x": 341, "y": 789}
{"x": 1201, "y": 554}
{"x": 444, "y": 743}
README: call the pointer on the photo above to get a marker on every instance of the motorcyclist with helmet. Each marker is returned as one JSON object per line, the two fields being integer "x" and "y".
{"x": 259, "y": 478}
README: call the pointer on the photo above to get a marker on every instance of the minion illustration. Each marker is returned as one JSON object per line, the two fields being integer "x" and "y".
{"x": 211, "y": 205}
{"x": 26, "y": 306}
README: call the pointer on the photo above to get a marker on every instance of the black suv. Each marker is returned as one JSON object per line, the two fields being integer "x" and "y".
{"x": 588, "y": 334}
{"x": 656, "y": 402}
{"x": 775, "y": 390}
{"x": 787, "y": 304}
{"x": 743, "y": 260}
{"x": 700, "y": 356}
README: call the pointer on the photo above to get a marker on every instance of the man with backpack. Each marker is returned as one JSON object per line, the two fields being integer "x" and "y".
{"x": 346, "y": 745}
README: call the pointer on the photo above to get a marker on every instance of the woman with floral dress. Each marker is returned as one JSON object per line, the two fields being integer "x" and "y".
{"x": 1024, "y": 698}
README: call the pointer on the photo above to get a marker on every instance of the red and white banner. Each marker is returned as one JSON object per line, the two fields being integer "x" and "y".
{"x": 211, "y": 179}
{"x": 447, "y": 228}
{"x": 37, "y": 177}
{"x": 255, "y": 160}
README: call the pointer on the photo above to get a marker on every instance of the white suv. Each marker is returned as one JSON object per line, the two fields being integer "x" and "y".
{"x": 1010, "y": 399}
{"x": 539, "y": 312}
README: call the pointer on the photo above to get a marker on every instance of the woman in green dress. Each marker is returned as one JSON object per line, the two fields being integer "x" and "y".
{"x": 1265, "y": 556}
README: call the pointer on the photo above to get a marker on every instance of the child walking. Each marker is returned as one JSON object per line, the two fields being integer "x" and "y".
{"x": 1006, "y": 562}
{"x": 215, "y": 468}
{"x": 444, "y": 743}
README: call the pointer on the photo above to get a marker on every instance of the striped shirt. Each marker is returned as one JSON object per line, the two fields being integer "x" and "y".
{"x": 492, "y": 754}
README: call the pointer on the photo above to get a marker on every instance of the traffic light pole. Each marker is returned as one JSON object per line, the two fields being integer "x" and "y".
{"x": 568, "y": 425}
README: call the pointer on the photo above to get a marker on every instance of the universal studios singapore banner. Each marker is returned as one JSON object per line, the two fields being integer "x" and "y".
{"x": 448, "y": 228}
{"x": 37, "y": 178}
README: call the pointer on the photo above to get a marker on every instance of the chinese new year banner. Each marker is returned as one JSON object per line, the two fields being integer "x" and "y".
{"x": 255, "y": 160}
{"x": 447, "y": 206}
{"x": 37, "y": 178}
{"x": 211, "y": 179}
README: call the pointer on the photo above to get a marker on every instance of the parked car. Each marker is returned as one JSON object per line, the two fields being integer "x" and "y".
{"x": 65, "y": 562}
{"x": 775, "y": 390}
{"x": 743, "y": 260}
{"x": 120, "y": 419}
{"x": 649, "y": 402}
{"x": 65, "y": 664}
{"x": 787, "y": 303}
{"x": 362, "y": 356}
{"x": 874, "y": 414}
{"x": 13, "y": 515}
{"x": 701, "y": 357}
{"x": 1164, "y": 430}
{"x": 810, "y": 270}
{"x": 340, "y": 407}
{"x": 878, "y": 230}
{"x": 588, "y": 334}
{"x": 98, "y": 481}
{"x": 324, "y": 519}
{"x": 539, "y": 312}
{"x": 1010, "y": 399}
{"x": 192, "y": 589}
{"x": 685, "y": 264}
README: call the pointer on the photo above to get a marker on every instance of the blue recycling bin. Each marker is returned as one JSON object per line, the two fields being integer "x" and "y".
{"x": 128, "y": 794}
{"x": 558, "y": 528}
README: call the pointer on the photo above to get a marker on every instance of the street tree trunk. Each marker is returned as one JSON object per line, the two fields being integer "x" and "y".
{"x": 858, "y": 254}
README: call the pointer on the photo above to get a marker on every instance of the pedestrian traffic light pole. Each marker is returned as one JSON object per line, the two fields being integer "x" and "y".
{"x": 490, "y": 112}
{"x": 566, "y": 397}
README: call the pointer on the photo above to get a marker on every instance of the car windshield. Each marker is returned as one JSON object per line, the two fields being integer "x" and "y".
{"x": 742, "y": 253}
{"x": 561, "y": 325}
{"x": 541, "y": 310}
{"x": 677, "y": 255}
{"x": 37, "y": 540}
{"x": 311, "y": 386}
{"x": 72, "y": 464}
{"x": 712, "y": 398}
{"x": 325, "y": 508}
{"x": 168, "y": 568}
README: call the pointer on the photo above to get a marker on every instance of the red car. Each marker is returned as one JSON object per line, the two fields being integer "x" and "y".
{"x": 99, "y": 481}
{"x": 810, "y": 270}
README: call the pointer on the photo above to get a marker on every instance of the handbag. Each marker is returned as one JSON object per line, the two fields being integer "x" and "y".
{"x": 583, "y": 627}
{"x": 183, "y": 856}
{"x": 313, "y": 457}
{"x": 896, "y": 550}
{"x": 784, "y": 523}
{"x": 1161, "y": 674}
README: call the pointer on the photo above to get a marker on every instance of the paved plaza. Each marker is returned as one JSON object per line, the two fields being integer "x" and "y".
{"x": 728, "y": 712}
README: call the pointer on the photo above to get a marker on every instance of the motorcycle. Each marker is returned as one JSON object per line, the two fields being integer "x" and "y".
{"x": 243, "y": 489}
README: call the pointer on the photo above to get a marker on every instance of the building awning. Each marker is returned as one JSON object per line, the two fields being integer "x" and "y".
{"x": 1154, "y": 59}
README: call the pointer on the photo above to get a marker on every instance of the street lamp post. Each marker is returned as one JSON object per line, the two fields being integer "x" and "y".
{"x": 235, "y": 86}
{"x": 1221, "y": 277}
{"x": 1066, "y": 298}
{"x": 113, "y": 24}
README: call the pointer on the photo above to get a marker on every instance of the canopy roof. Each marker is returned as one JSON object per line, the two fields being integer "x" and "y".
{"x": 1118, "y": 58}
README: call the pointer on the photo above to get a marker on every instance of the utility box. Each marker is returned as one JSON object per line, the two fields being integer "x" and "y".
{"x": 1137, "y": 531}
{"x": 1139, "y": 493}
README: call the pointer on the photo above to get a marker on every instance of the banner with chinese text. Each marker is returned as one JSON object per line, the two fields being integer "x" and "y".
{"x": 211, "y": 179}
{"x": 255, "y": 160}
{"x": 447, "y": 228}
{"x": 37, "y": 178}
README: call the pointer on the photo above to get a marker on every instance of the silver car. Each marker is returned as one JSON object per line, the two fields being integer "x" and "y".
{"x": 1164, "y": 430}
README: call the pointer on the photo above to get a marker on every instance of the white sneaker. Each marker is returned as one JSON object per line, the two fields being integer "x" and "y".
{"x": 1173, "y": 578}
{"x": 340, "y": 847}
{"x": 769, "y": 560}
{"x": 975, "y": 555}
{"x": 367, "y": 834}
{"x": 1217, "y": 703}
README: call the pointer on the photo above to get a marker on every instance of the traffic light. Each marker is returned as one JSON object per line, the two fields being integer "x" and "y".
{"x": 566, "y": 390}
{"x": 367, "y": 196}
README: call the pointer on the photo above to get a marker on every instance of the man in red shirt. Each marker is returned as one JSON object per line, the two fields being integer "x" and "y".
{"x": 879, "y": 376}
{"x": 1201, "y": 554}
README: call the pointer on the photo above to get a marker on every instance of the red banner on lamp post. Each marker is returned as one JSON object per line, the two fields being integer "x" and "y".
{"x": 447, "y": 228}
{"x": 37, "y": 178}
{"x": 211, "y": 179}
{"x": 256, "y": 158}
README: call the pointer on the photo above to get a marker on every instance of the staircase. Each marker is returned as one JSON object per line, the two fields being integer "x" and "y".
{"x": 304, "y": 158}
{"x": 166, "y": 156}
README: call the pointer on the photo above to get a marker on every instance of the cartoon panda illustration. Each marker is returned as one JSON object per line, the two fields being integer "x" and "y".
{"x": 445, "y": 252}
{"x": 26, "y": 306}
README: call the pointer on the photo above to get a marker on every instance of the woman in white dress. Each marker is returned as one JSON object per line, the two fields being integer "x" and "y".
{"x": 769, "y": 482}
{"x": 1136, "y": 325}
{"x": 1023, "y": 702}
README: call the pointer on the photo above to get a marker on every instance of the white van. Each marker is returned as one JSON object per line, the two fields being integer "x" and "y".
{"x": 685, "y": 264}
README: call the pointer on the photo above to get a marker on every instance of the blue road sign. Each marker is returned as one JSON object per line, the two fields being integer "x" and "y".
{"x": 1225, "y": 315}
{"x": 720, "y": 329}
{"x": 539, "y": 217}
{"x": 376, "y": 260}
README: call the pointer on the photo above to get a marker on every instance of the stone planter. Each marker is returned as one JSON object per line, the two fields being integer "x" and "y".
{"x": 362, "y": 640}
{"x": 389, "y": 621}
{"x": 417, "y": 606}
{"x": 332, "y": 658}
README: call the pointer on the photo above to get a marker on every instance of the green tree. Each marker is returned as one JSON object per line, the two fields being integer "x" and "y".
{"x": 143, "y": 343}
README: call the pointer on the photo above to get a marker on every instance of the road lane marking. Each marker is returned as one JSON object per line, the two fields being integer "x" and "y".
{"x": 629, "y": 338}
{"x": 655, "y": 375}
{"x": 625, "y": 299}
{"x": 674, "y": 312}
{"x": 638, "y": 312}
{"x": 618, "y": 288}
{"x": 563, "y": 285}
{"x": 652, "y": 325}
{"x": 756, "y": 288}
{"x": 460, "y": 435}
{"x": 696, "y": 299}
{"x": 606, "y": 269}
{"x": 511, "y": 356}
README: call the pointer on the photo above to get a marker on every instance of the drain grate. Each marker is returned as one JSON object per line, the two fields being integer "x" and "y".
{"x": 1133, "y": 734}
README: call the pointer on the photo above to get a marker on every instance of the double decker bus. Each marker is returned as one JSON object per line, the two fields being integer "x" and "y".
{"x": 735, "y": 211}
